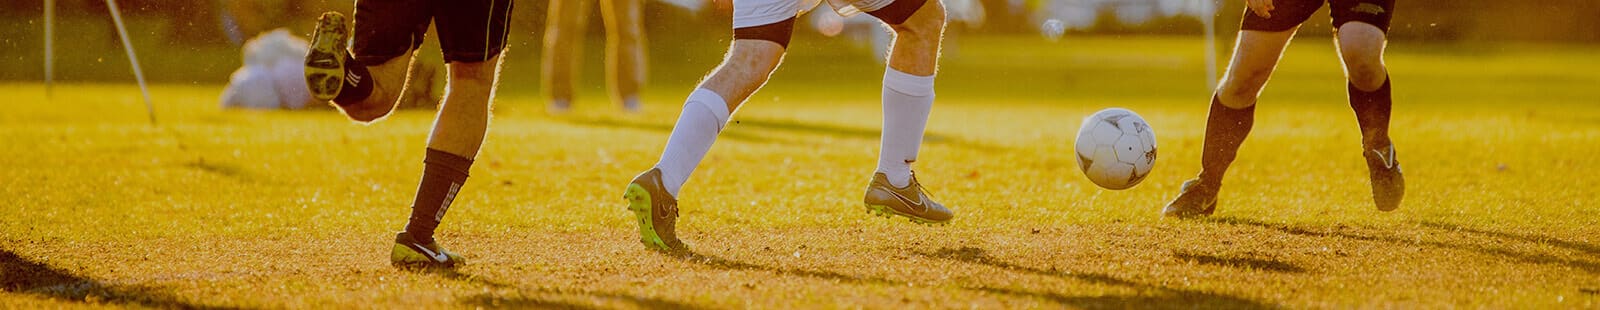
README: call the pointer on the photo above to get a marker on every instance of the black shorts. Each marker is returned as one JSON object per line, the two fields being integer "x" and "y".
{"x": 469, "y": 30}
{"x": 1290, "y": 13}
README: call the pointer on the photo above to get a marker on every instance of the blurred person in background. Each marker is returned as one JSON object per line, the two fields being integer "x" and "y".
{"x": 625, "y": 54}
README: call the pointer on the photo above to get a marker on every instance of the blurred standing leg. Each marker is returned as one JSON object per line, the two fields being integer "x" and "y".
{"x": 625, "y": 50}
{"x": 563, "y": 46}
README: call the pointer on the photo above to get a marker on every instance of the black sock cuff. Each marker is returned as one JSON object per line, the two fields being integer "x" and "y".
{"x": 451, "y": 164}
{"x": 1219, "y": 109}
{"x": 1382, "y": 90}
{"x": 357, "y": 82}
{"x": 898, "y": 12}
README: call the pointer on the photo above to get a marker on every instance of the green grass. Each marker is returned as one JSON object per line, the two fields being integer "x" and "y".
{"x": 296, "y": 209}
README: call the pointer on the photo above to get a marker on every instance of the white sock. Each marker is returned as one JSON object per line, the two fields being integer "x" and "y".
{"x": 907, "y": 99}
{"x": 703, "y": 116}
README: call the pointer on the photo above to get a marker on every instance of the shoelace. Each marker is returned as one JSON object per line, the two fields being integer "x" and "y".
{"x": 923, "y": 190}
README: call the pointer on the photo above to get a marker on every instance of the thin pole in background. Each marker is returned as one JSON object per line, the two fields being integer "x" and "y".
{"x": 49, "y": 47}
{"x": 1211, "y": 43}
{"x": 127, "y": 45}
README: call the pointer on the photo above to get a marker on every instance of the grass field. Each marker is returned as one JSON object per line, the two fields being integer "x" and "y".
{"x": 296, "y": 209}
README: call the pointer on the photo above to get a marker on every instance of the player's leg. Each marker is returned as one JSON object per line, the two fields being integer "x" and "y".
{"x": 625, "y": 53}
{"x": 907, "y": 100}
{"x": 761, "y": 34}
{"x": 472, "y": 35}
{"x": 365, "y": 81}
{"x": 1360, "y": 33}
{"x": 1260, "y": 45}
{"x": 563, "y": 45}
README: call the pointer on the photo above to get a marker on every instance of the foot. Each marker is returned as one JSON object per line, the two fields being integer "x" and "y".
{"x": 655, "y": 210}
{"x": 632, "y": 105}
{"x": 559, "y": 106}
{"x": 1388, "y": 184}
{"x": 1196, "y": 199}
{"x": 408, "y": 252}
{"x": 911, "y": 201}
{"x": 325, "y": 59}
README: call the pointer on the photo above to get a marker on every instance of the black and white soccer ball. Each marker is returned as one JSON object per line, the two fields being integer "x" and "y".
{"x": 1116, "y": 148}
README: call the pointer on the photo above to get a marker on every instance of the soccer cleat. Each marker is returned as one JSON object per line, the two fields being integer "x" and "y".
{"x": 410, "y": 253}
{"x": 1195, "y": 199}
{"x": 655, "y": 210}
{"x": 911, "y": 201}
{"x": 325, "y": 59}
{"x": 1388, "y": 184}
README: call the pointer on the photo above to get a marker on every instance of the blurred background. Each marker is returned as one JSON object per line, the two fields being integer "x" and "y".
{"x": 199, "y": 41}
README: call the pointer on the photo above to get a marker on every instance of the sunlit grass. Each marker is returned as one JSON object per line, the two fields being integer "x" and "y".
{"x": 296, "y": 209}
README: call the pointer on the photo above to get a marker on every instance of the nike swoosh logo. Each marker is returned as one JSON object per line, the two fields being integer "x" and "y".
{"x": 1387, "y": 158}
{"x": 918, "y": 203}
{"x": 437, "y": 257}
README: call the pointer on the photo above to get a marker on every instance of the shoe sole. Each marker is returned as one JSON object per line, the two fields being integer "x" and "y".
{"x": 325, "y": 81}
{"x": 888, "y": 212}
{"x": 639, "y": 201}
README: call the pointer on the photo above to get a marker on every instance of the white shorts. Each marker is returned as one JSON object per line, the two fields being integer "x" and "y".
{"x": 751, "y": 13}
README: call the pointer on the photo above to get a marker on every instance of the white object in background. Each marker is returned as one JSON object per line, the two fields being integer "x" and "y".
{"x": 273, "y": 75}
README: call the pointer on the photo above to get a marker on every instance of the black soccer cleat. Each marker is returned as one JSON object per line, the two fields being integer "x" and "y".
{"x": 409, "y": 253}
{"x": 1388, "y": 184}
{"x": 325, "y": 75}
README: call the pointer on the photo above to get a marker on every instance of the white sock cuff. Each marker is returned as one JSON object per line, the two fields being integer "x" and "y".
{"x": 712, "y": 102}
{"x": 905, "y": 83}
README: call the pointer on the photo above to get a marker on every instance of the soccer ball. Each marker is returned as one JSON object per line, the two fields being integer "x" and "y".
{"x": 1116, "y": 148}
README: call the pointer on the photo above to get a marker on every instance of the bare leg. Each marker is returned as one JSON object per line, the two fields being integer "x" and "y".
{"x": 1255, "y": 56}
{"x": 746, "y": 68}
{"x": 916, "y": 42}
{"x": 625, "y": 53}
{"x": 1361, "y": 46}
{"x": 563, "y": 46}
{"x": 908, "y": 90}
{"x": 390, "y": 82}
{"x": 464, "y": 118}
{"x": 1231, "y": 116}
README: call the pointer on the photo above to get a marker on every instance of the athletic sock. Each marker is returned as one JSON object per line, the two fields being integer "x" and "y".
{"x": 703, "y": 116}
{"x": 1372, "y": 112}
{"x": 907, "y": 100}
{"x": 357, "y": 82}
{"x": 1226, "y": 128}
{"x": 442, "y": 175}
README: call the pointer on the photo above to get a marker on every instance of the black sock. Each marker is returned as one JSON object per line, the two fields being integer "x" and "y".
{"x": 1372, "y": 112}
{"x": 357, "y": 82}
{"x": 442, "y": 175}
{"x": 1226, "y": 128}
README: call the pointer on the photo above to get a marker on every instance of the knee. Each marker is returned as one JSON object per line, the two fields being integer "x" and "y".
{"x": 1366, "y": 75}
{"x": 1242, "y": 88}
{"x": 473, "y": 74}
{"x": 927, "y": 22}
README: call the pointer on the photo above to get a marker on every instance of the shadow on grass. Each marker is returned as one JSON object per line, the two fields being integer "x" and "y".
{"x": 1587, "y": 249}
{"x": 727, "y": 264}
{"x": 545, "y": 298}
{"x": 1240, "y": 262}
{"x": 20, "y": 275}
{"x": 781, "y": 125}
{"x": 1167, "y": 298}
{"x": 1530, "y": 258}
{"x": 223, "y": 169}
